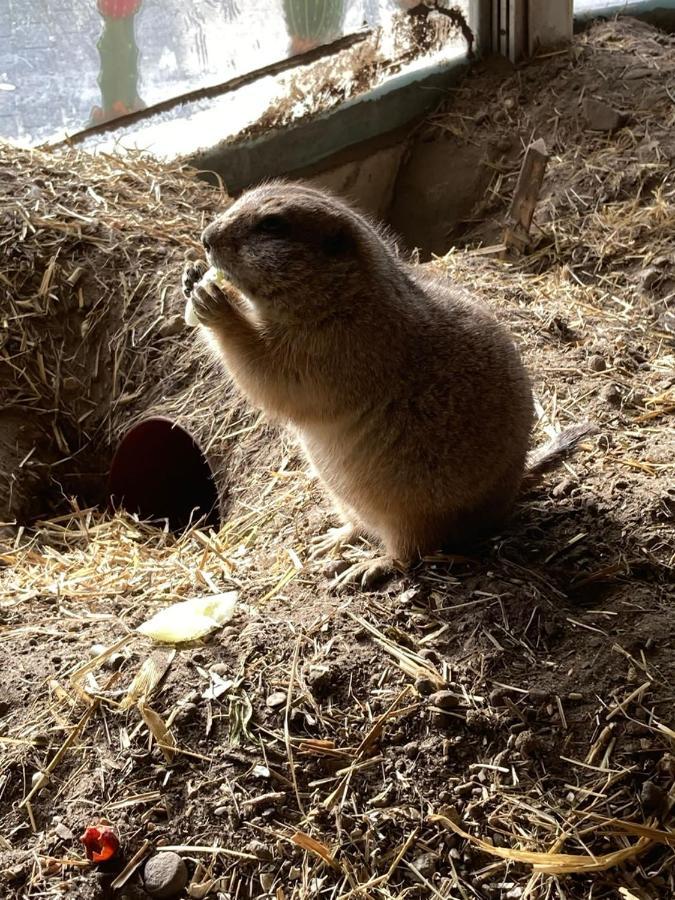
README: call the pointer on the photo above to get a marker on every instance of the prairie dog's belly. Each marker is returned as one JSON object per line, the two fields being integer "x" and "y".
{"x": 382, "y": 467}
{"x": 368, "y": 470}
{"x": 342, "y": 460}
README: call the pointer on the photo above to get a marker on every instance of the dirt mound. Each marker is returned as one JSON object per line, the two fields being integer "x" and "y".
{"x": 523, "y": 695}
{"x": 91, "y": 333}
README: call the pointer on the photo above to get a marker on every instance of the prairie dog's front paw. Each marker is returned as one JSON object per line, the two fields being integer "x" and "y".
{"x": 193, "y": 271}
{"x": 209, "y": 303}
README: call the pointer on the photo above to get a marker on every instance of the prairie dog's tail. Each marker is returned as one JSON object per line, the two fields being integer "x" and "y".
{"x": 543, "y": 459}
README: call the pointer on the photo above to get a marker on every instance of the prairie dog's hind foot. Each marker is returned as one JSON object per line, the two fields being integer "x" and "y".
{"x": 193, "y": 271}
{"x": 366, "y": 574}
{"x": 334, "y": 540}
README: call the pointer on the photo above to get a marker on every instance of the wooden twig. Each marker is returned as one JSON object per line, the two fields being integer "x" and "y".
{"x": 521, "y": 211}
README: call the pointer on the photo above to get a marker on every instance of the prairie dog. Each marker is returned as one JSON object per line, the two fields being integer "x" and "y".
{"x": 409, "y": 399}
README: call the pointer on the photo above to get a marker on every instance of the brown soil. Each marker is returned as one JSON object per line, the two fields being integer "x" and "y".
{"x": 554, "y": 643}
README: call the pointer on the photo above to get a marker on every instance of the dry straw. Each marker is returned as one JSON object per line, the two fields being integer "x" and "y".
{"x": 433, "y": 741}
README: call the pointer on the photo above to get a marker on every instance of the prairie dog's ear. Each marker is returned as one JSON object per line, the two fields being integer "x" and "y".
{"x": 340, "y": 243}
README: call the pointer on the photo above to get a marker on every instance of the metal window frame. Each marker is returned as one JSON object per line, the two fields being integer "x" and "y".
{"x": 521, "y": 28}
{"x": 396, "y": 104}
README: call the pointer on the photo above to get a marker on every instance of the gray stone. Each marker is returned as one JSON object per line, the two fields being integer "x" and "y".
{"x": 596, "y": 363}
{"x": 63, "y": 832}
{"x": 444, "y": 700}
{"x": 262, "y": 851}
{"x": 165, "y": 875}
{"x": 602, "y": 117}
{"x": 611, "y": 394}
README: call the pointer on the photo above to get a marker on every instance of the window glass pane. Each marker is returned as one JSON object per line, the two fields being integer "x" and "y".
{"x": 66, "y": 64}
{"x": 612, "y": 7}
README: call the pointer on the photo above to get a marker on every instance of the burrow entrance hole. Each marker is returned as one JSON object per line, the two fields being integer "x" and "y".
{"x": 160, "y": 473}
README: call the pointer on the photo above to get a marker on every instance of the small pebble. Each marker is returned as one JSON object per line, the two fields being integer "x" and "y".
{"x": 113, "y": 662}
{"x": 444, "y": 700}
{"x": 527, "y": 743}
{"x": 276, "y": 699}
{"x": 451, "y": 812}
{"x": 186, "y": 711}
{"x": 601, "y": 116}
{"x": 464, "y": 789}
{"x": 219, "y": 669}
{"x": 38, "y": 778}
{"x": 649, "y": 277}
{"x": 335, "y": 567}
{"x": 320, "y": 679}
{"x": 611, "y": 394}
{"x": 411, "y": 749}
{"x": 165, "y": 875}
{"x": 655, "y": 801}
{"x": 64, "y": 833}
{"x": 596, "y": 363}
{"x": 424, "y": 686}
{"x": 497, "y": 696}
{"x": 262, "y": 851}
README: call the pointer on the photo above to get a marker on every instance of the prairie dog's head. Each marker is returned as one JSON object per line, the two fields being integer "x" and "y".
{"x": 294, "y": 251}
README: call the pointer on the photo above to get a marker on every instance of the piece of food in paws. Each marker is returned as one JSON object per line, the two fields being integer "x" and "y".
{"x": 211, "y": 274}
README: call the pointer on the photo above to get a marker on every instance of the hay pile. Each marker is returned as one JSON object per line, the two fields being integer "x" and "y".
{"x": 493, "y": 727}
{"x": 92, "y": 336}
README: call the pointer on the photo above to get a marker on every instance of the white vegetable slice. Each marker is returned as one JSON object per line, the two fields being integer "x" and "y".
{"x": 190, "y": 619}
{"x": 190, "y": 317}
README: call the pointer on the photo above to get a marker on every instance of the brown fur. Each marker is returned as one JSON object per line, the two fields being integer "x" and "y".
{"x": 409, "y": 398}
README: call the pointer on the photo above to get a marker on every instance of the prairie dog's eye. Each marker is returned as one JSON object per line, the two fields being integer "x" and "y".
{"x": 273, "y": 224}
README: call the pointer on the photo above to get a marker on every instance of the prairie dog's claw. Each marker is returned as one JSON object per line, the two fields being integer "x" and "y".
{"x": 366, "y": 574}
{"x": 333, "y": 540}
{"x": 208, "y": 302}
{"x": 193, "y": 271}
